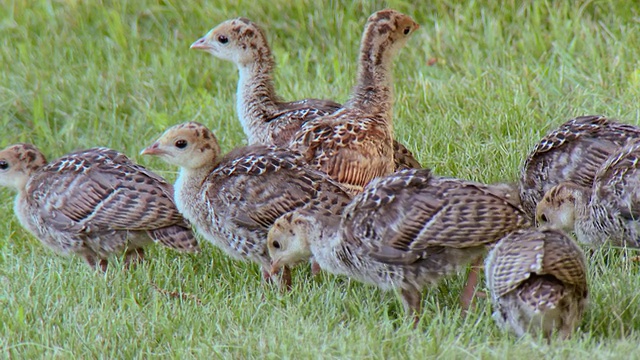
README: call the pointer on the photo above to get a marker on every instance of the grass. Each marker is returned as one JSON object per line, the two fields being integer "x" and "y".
{"x": 76, "y": 74}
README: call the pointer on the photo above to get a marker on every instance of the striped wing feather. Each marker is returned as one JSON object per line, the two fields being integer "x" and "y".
{"x": 264, "y": 185}
{"x": 411, "y": 212}
{"x": 98, "y": 190}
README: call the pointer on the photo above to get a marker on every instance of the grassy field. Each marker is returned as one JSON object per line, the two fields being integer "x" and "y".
{"x": 76, "y": 74}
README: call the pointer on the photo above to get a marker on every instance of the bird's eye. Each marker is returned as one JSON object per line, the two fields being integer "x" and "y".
{"x": 407, "y": 30}
{"x": 543, "y": 218}
{"x": 4, "y": 165}
{"x": 181, "y": 144}
{"x": 223, "y": 39}
{"x": 276, "y": 245}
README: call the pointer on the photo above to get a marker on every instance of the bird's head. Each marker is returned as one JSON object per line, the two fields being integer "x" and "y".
{"x": 17, "y": 163}
{"x": 238, "y": 40}
{"x": 389, "y": 30}
{"x": 558, "y": 206}
{"x": 190, "y": 145}
{"x": 288, "y": 240}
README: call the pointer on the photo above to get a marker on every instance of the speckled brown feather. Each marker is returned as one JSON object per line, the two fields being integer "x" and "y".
{"x": 563, "y": 259}
{"x": 541, "y": 252}
{"x": 254, "y": 189}
{"x": 403, "y": 158}
{"x": 287, "y": 123}
{"x": 444, "y": 212}
{"x": 573, "y": 152}
{"x": 404, "y": 231}
{"x": 606, "y": 212}
{"x": 265, "y": 117}
{"x": 353, "y": 152}
{"x": 94, "y": 203}
{"x": 617, "y": 182}
{"x": 516, "y": 265}
{"x": 537, "y": 279}
{"x": 355, "y": 144}
{"x": 234, "y": 199}
{"x": 249, "y": 192}
{"x": 102, "y": 190}
{"x": 284, "y": 124}
{"x": 541, "y": 293}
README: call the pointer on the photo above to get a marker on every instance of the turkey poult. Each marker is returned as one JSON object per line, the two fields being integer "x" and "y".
{"x": 607, "y": 211}
{"x": 538, "y": 283}
{"x": 93, "y": 203}
{"x": 404, "y": 231}
{"x": 573, "y": 152}
{"x": 354, "y": 145}
{"x": 234, "y": 199}
{"x": 265, "y": 118}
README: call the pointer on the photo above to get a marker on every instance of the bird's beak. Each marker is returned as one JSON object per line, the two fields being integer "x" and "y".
{"x": 200, "y": 44}
{"x": 275, "y": 266}
{"x": 152, "y": 150}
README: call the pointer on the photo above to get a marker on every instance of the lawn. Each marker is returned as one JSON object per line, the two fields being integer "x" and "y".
{"x": 476, "y": 87}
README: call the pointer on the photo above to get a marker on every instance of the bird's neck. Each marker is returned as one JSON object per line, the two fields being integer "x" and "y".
{"x": 595, "y": 225}
{"x": 325, "y": 241}
{"x": 256, "y": 99}
{"x": 582, "y": 203}
{"x": 589, "y": 219}
{"x": 373, "y": 92}
{"x": 23, "y": 210}
{"x": 188, "y": 185}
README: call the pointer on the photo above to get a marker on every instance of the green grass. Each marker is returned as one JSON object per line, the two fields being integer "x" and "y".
{"x": 76, "y": 74}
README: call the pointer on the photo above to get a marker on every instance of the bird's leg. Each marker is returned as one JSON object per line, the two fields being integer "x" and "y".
{"x": 266, "y": 276}
{"x": 96, "y": 264}
{"x": 315, "y": 268}
{"x": 103, "y": 264}
{"x": 285, "y": 279}
{"x": 565, "y": 330}
{"x": 470, "y": 288}
{"x": 412, "y": 301}
{"x": 133, "y": 257}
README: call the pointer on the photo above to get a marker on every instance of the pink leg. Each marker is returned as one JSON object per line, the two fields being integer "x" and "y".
{"x": 266, "y": 276}
{"x": 315, "y": 268}
{"x": 284, "y": 282}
